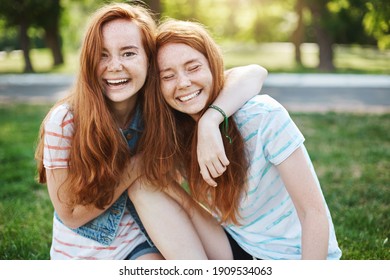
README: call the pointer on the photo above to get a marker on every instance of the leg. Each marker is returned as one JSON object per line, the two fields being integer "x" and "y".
{"x": 145, "y": 251}
{"x": 210, "y": 232}
{"x": 167, "y": 223}
{"x": 152, "y": 256}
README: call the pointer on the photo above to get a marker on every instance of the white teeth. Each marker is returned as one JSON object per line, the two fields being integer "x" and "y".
{"x": 188, "y": 97}
{"x": 116, "y": 81}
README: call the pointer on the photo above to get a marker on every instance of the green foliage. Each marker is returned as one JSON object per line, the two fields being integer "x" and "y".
{"x": 357, "y": 21}
{"x": 377, "y": 22}
{"x": 74, "y": 19}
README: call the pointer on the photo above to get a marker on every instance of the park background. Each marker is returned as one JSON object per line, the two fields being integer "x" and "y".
{"x": 350, "y": 151}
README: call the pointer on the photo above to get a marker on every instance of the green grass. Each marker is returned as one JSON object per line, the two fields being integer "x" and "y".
{"x": 350, "y": 153}
{"x": 25, "y": 209}
{"x": 276, "y": 57}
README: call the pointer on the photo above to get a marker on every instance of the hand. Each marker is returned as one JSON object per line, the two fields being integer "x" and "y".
{"x": 210, "y": 150}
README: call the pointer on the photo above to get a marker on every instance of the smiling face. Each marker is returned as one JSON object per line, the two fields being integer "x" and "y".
{"x": 123, "y": 63}
{"x": 185, "y": 78}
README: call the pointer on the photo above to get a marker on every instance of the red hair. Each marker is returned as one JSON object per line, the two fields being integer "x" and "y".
{"x": 170, "y": 138}
{"x": 98, "y": 152}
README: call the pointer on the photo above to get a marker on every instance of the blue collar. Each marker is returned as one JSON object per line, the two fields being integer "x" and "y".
{"x": 136, "y": 123}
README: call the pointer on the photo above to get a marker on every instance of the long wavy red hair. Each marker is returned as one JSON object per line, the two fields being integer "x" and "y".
{"x": 98, "y": 152}
{"x": 170, "y": 138}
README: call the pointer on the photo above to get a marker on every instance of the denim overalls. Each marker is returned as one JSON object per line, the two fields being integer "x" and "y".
{"x": 103, "y": 228}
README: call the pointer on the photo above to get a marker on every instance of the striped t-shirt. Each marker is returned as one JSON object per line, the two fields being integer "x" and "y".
{"x": 66, "y": 244}
{"x": 270, "y": 228}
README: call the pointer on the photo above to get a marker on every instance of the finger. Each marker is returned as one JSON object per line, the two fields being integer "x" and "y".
{"x": 219, "y": 169}
{"x": 223, "y": 159}
{"x": 214, "y": 173}
{"x": 206, "y": 177}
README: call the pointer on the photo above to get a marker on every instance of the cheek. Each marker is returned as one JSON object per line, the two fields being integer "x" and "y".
{"x": 100, "y": 68}
{"x": 164, "y": 91}
{"x": 145, "y": 63}
{"x": 143, "y": 67}
{"x": 209, "y": 78}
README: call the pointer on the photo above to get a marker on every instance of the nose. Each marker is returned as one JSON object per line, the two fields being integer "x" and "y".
{"x": 183, "y": 81}
{"x": 115, "y": 64}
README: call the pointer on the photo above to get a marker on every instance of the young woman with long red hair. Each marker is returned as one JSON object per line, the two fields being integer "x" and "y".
{"x": 268, "y": 199}
{"x": 88, "y": 144}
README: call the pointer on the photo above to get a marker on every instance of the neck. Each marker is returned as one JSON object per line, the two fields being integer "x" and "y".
{"x": 123, "y": 112}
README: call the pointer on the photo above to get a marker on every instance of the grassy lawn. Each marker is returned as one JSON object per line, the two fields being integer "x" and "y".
{"x": 276, "y": 57}
{"x": 350, "y": 152}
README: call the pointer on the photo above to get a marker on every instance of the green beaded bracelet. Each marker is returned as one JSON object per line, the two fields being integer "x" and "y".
{"x": 225, "y": 126}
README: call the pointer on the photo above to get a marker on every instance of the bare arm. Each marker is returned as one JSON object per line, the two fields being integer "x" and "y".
{"x": 79, "y": 215}
{"x": 242, "y": 83}
{"x": 309, "y": 204}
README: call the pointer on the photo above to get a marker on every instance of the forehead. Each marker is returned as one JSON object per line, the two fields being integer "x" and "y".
{"x": 121, "y": 30}
{"x": 172, "y": 54}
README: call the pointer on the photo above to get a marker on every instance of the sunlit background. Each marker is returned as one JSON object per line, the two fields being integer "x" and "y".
{"x": 282, "y": 35}
{"x": 350, "y": 151}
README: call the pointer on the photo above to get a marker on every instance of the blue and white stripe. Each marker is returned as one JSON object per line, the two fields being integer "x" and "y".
{"x": 270, "y": 228}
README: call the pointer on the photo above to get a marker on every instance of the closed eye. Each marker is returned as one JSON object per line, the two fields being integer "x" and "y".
{"x": 194, "y": 67}
{"x": 167, "y": 77}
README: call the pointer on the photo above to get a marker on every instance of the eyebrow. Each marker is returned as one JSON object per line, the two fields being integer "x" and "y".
{"x": 125, "y": 48}
{"x": 188, "y": 62}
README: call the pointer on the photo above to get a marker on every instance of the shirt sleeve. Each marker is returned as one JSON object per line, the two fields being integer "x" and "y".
{"x": 58, "y": 138}
{"x": 280, "y": 136}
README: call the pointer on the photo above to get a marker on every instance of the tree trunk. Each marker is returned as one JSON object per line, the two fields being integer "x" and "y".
{"x": 25, "y": 46}
{"x": 51, "y": 25}
{"x": 53, "y": 41}
{"x": 323, "y": 37}
{"x": 297, "y": 36}
{"x": 325, "y": 45}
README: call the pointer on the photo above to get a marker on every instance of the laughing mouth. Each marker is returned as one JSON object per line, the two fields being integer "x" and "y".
{"x": 117, "y": 82}
{"x": 189, "y": 97}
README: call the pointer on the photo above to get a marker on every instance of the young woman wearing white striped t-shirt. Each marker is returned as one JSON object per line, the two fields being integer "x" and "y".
{"x": 268, "y": 198}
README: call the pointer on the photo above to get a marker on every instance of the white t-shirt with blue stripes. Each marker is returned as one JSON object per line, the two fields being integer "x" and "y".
{"x": 270, "y": 228}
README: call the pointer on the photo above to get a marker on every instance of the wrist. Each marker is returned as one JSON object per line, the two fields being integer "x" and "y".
{"x": 212, "y": 116}
{"x": 225, "y": 125}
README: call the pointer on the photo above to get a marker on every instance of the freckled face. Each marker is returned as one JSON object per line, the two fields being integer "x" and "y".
{"x": 185, "y": 78}
{"x": 123, "y": 63}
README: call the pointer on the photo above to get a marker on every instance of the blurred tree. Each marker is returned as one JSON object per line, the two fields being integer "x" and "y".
{"x": 50, "y": 22}
{"x": 155, "y": 6}
{"x": 376, "y": 21}
{"x": 324, "y": 22}
{"x": 348, "y": 22}
{"x": 27, "y": 13}
{"x": 297, "y": 37}
{"x": 15, "y": 13}
{"x": 182, "y": 9}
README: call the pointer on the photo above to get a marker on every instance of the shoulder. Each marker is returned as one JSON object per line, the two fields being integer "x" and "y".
{"x": 60, "y": 121}
{"x": 261, "y": 107}
{"x": 263, "y": 103}
{"x": 60, "y": 115}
